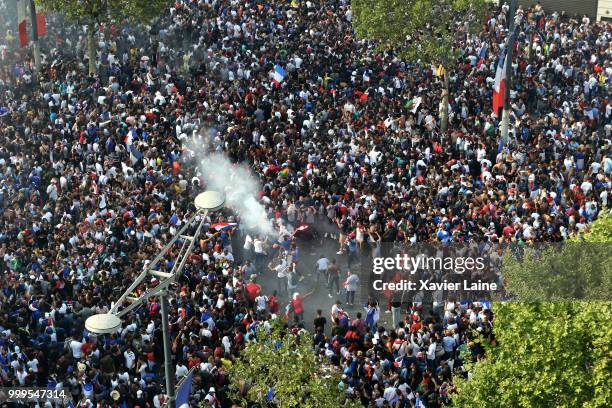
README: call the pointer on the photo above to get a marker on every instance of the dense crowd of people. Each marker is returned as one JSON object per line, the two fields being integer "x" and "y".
{"x": 96, "y": 177}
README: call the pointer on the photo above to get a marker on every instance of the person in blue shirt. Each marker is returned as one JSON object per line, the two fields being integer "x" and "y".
{"x": 285, "y": 242}
{"x": 226, "y": 239}
{"x": 449, "y": 344}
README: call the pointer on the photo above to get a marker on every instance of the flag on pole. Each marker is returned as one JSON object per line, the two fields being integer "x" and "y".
{"x": 184, "y": 390}
{"x": 22, "y": 22}
{"x": 41, "y": 21}
{"x": 413, "y": 104}
{"x": 135, "y": 154}
{"x": 279, "y": 74}
{"x": 499, "y": 88}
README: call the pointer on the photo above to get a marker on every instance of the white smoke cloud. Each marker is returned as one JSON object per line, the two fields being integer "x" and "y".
{"x": 236, "y": 181}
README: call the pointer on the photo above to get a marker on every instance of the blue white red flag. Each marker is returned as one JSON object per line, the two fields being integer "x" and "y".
{"x": 224, "y": 226}
{"x": 279, "y": 74}
{"x": 499, "y": 87}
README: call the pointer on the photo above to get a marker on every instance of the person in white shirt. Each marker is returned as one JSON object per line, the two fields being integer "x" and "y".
{"x": 52, "y": 191}
{"x": 159, "y": 400}
{"x": 260, "y": 254}
{"x": 336, "y": 310}
{"x": 75, "y": 347}
{"x": 261, "y": 303}
{"x": 281, "y": 275}
{"x": 181, "y": 370}
{"x": 204, "y": 331}
{"x": 431, "y": 354}
{"x": 33, "y": 365}
{"x": 248, "y": 247}
{"x": 151, "y": 327}
{"x": 220, "y": 302}
{"x": 586, "y": 186}
{"x": 226, "y": 255}
{"x": 21, "y": 375}
{"x": 130, "y": 358}
{"x": 389, "y": 393}
{"x": 322, "y": 265}
{"x": 352, "y": 281}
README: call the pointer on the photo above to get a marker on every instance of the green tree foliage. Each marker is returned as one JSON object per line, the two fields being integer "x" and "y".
{"x": 418, "y": 29}
{"x": 599, "y": 231}
{"x": 580, "y": 268}
{"x": 549, "y": 354}
{"x": 287, "y": 364}
{"x": 426, "y": 30}
{"x": 95, "y": 12}
{"x": 100, "y": 10}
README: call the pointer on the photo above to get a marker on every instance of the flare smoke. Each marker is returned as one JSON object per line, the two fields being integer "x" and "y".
{"x": 236, "y": 181}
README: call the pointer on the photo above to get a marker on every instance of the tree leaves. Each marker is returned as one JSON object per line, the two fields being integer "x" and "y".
{"x": 138, "y": 11}
{"x": 553, "y": 354}
{"x": 580, "y": 268}
{"x": 426, "y": 30}
{"x": 286, "y": 364}
{"x": 95, "y": 12}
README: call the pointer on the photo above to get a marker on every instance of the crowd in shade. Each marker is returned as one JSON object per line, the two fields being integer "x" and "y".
{"x": 97, "y": 174}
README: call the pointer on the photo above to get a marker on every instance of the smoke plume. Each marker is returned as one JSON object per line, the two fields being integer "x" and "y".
{"x": 237, "y": 181}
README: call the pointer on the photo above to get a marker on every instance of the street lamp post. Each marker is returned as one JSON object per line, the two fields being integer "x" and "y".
{"x": 35, "y": 43}
{"x": 111, "y": 322}
{"x": 168, "y": 369}
{"x": 508, "y": 74}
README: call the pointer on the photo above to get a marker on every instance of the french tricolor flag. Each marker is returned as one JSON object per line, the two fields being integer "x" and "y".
{"x": 279, "y": 74}
{"x": 22, "y": 22}
{"x": 499, "y": 87}
{"x": 224, "y": 226}
{"x": 41, "y": 21}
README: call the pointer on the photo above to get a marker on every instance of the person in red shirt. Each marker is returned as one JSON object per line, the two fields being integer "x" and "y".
{"x": 86, "y": 347}
{"x": 352, "y": 337}
{"x": 193, "y": 360}
{"x": 253, "y": 290}
{"x": 417, "y": 325}
{"x": 273, "y": 305}
{"x": 297, "y": 304}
